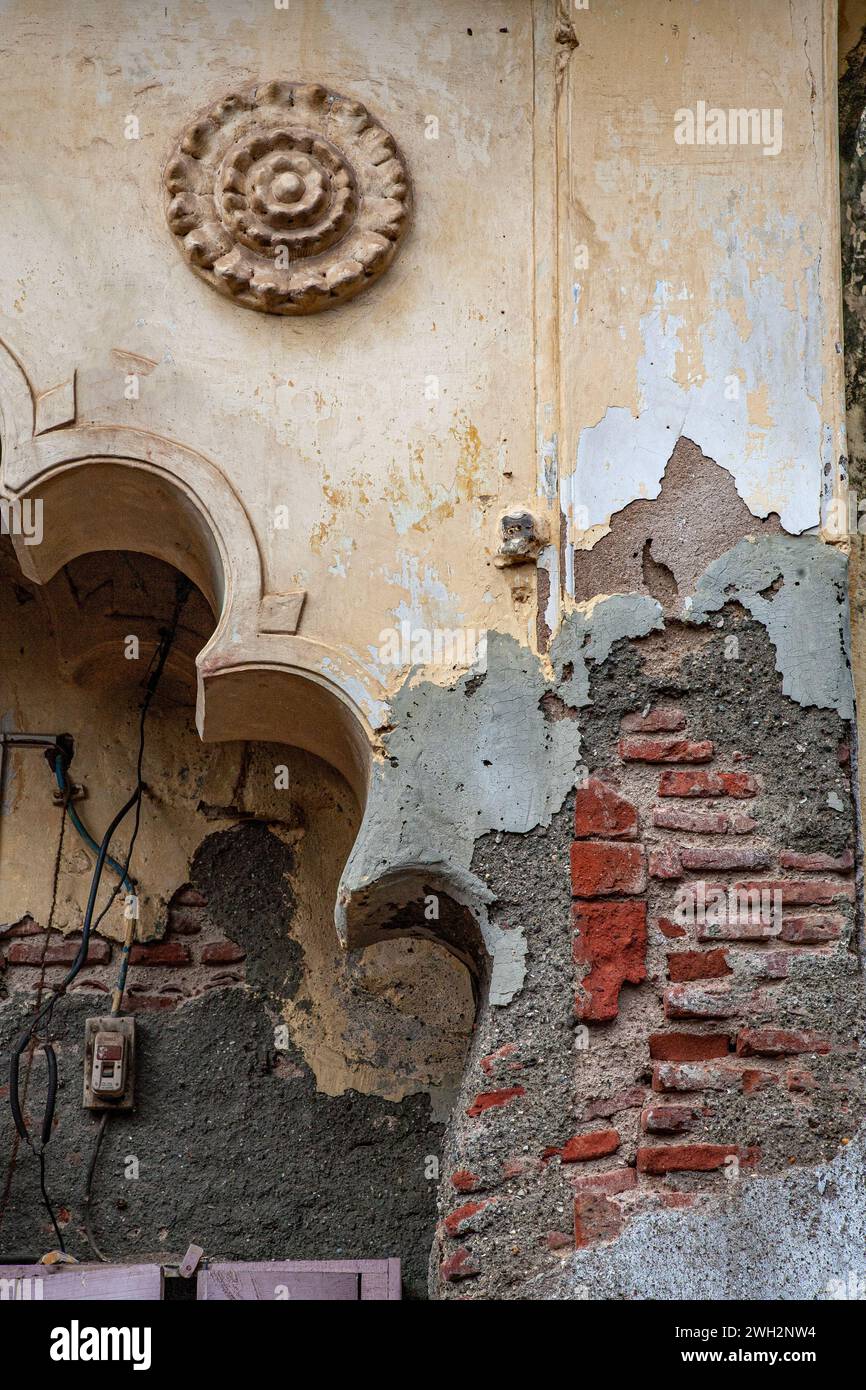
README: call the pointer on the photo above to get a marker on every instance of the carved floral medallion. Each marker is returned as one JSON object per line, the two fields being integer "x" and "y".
{"x": 287, "y": 198}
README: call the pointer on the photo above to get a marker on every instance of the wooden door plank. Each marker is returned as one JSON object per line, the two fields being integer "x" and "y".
{"x": 270, "y": 1282}
{"x": 139, "y": 1283}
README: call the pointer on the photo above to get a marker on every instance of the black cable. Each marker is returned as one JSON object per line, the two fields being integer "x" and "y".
{"x": 88, "y": 1189}
{"x": 183, "y": 590}
{"x": 47, "y": 1200}
{"x": 52, "y": 1063}
{"x": 167, "y": 635}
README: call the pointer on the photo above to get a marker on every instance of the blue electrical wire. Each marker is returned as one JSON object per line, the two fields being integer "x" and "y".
{"x": 60, "y": 775}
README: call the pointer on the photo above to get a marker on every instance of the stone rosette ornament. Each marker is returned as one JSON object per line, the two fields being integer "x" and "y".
{"x": 287, "y": 197}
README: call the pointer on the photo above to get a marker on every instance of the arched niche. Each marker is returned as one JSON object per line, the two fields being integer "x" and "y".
{"x": 104, "y": 488}
{"x": 111, "y": 488}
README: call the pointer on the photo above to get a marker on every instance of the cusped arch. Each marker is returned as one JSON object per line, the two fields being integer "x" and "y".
{"x": 112, "y": 488}
{"x": 107, "y": 487}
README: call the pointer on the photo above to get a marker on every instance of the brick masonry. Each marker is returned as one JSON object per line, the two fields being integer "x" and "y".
{"x": 681, "y": 846}
{"x": 710, "y": 1030}
{"x": 191, "y": 960}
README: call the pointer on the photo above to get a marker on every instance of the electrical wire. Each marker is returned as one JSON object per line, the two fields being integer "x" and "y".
{"x": 167, "y": 635}
{"x": 13, "y": 1158}
{"x": 87, "y": 1203}
{"x": 184, "y": 588}
{"x": 60, "y": 766}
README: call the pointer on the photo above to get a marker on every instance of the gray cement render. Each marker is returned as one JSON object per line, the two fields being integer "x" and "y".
{"x": 798, "y": 1236}
{"x": 806, "y": 616}
{"x": 484, "y": 755}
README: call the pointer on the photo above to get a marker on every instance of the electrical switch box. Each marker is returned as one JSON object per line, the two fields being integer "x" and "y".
{"x": 109, "y": 1063}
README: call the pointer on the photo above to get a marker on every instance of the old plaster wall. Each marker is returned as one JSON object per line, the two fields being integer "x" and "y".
{"x": 382, "y": 427}
{"x": 638, "y": 341}
{"x": 711, "y": 308}
{"x": 330, "y": 1124}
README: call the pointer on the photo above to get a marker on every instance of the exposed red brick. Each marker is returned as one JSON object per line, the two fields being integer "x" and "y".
{"x": 664, "y": 749}
{"x": 141, "y": 1003}
{"x": 488, "y": 1100}
{"x": 600, "y": 869}
{"x": 185, "y": 921}
{"x": 812, "y": 927}
{"x": 160, "y": 953}
{"x": 699, "y": 822}
{"x": 695, "y": 1076}
{"x": 24, "y": 927}
{"x": 672, "y": 930}
{"x": 817, "y": 890}
{"x": 766, "y": 965}
{"x": 724, "y": 857}
{"x": 602, "y": 1109}
{"x": 59, "y": 950}
{"x": 755, "y": 1080}
{"x": 492, "y": 1062}
{"x": 698, "y": 965}
{"x": 799, "y": 1079}
{"x": 739, "y": 928}
{"x": 695, "y": 1001}
{"x": 664, "y": 719}
{"x": 458, "y": 1266}
{"x": 611, "y": 939}
{"x": 778, "y": 1042}
{"x": 222, "y": 953}
{"x": 595, "y": 1218}
{"x": 817, "y": 863}
{"x": 665, "y": 863}
{"x": 558, "y": 1240}
{"x": 699, "y": 782}
{"x": 693, "y": 1158}
{"x": 843, "y": 753}
{"x": 732, "y": 911}
{"x": 667, "y": 1119}
{"x": 613, "y": 1181}
{"x": 459, "y": 1221}
{"x": 688, "y": 1047}
{"x": 464, "y": 1181}
{"x": 599, "y": 810}
{"x": 521, "y": 1166}
{"x": 187, "y": 896}
{"x": 585, "y": 1146}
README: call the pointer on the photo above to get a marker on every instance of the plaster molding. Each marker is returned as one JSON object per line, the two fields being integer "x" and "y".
{"x": 56, "y": 407}
{"x": 287, "y": 197}
{"x": 110, "y": 487}
{"x": 281, "y": 612}
{"x": 17, "y": 403}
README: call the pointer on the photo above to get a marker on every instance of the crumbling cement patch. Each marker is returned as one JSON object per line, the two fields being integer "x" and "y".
{"x": 725, "y": 679}
{"x": 492, "y": 753}
{"x": 236, "y": 1149}
{"x": 589, "y": 635}
{"x": 528, "y": 877}
{"x": 462, "y": 761}
{"x": 806, "y": 617}
{"x": 738, "y": 702}
{"x": 244, "y": 873}
{"x": 696, "y": 516}
{"x": 794, "y": 1236}
{"x": 481, "y": 756}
